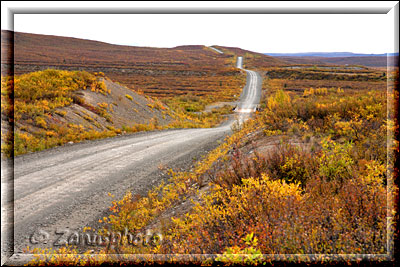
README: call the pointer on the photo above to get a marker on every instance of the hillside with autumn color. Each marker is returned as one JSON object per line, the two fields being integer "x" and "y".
{"x": 368, "y": 61}
{"x": 52, "y": 73}
{"x": 160, "y": 72}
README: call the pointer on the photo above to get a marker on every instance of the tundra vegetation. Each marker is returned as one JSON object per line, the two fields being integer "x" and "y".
{"x": 157, "y": 72}
{"x": 328, "y": 196}
{"x": 40, "y": 97}
{"x": 30, "y": 100}
{"x": 161, "y": 74}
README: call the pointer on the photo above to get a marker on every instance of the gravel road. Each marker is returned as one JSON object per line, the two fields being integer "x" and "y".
{"x": 67, "y": 187}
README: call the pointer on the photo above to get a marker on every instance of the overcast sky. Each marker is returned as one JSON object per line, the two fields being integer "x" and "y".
{"x": 273, "y": 33}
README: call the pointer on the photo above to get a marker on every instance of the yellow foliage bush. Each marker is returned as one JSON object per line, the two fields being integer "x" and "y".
{"x": 40, "y": 121}
{"x": 329, "y": 200}
{"x": 165, "y": 195}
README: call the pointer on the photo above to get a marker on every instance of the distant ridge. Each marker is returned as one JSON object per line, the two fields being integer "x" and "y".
{"x": 253, "y": 59}
{"x": 157, "y": 72}
{"x": 329, "y": 54}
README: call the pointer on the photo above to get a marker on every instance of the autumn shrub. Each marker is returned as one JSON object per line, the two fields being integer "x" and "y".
{"x": 291, "y": 163}
{"x": 245, "y": 253}
{"x": 321, "y": 185}
{"x": 37, "y": 97}
{"x": 62, "y": 113}
{"x": 43, "y": 91}
{"x": 239, "y": 167}
{"x": 187, "y": 103}
{"x": 40, "y": 121}
{"x": 349, "y": 220}
{"x": 67, "y": 256}
{"x": 329, "y": 198}
{"x": 285, "y": 162}
{"x": 7, "y": 95}
{"x": 320, "y": 74}
{"x": 287, "y": 218}
{"x": 335, "y": 161}
{"x": 27, "y": 142}
{"x": 358, "y": 118}
{"x": 231, "y": 215}
{"x": 317, "y": 91}
{"x": 136, "y": 212}
{"x": 293, "y": 199}
{"x": 188, "y": 109}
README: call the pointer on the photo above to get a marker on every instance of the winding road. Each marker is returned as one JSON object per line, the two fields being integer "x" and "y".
{"x": 67, "y": 187}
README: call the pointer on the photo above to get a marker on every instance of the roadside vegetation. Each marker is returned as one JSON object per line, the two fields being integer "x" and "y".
{"x": 330, "y": 199}
{"x": 157, "y": 72}
{"x": 38, "y": 96}
{"x": 40, "y": 115}
{"x": 326, "y": 195}
{"x": 191, "y": 107}
{"x": 322, "y": 183}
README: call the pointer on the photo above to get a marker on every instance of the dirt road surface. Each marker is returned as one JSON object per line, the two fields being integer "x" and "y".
{"x": 67, "y": 187}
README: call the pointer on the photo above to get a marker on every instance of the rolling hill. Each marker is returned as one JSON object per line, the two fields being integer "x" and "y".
{"x": 52, "y": 107}
{"x": 368, "y": 61}
{"x": 160, "y": 72}
{"x": 253, "y": 60}
{"x": 328, "y": 54}
{"x": 338, "y": 58}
